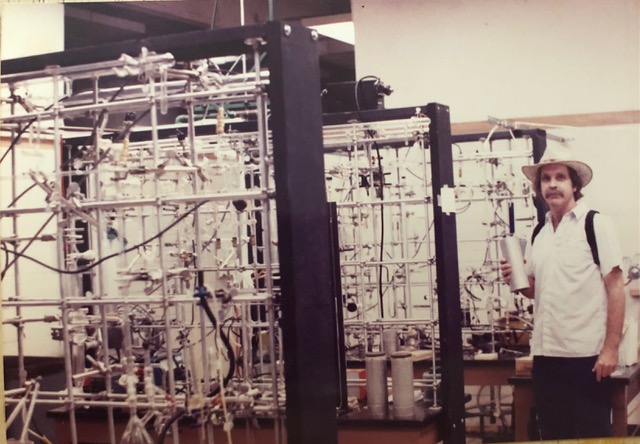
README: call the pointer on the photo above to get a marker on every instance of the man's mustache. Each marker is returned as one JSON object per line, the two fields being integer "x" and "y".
{"x": 554, "y": 193}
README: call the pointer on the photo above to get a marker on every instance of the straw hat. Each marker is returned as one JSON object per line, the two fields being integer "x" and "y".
{"x": 559, "y": 155}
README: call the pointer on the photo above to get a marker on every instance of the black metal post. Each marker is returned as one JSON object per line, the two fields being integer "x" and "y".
{"x": 339, "y": 312}
{"x": 539, "y": 145}
{"x": 448, "y": 282}
{"x": 304, "y": 245}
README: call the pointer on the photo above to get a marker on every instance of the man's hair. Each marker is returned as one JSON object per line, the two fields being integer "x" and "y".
{"x": 575, "y": 181}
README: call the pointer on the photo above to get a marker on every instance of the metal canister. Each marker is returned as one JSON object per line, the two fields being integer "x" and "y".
{"x": 377, "y": 393}
{"x": 402, "y": 385}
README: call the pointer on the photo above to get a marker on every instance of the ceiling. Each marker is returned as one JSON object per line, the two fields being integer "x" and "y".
{"x": 95, "y": 23}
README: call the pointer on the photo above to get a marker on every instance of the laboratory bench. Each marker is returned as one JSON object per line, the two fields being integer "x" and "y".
{"x": 356, "y": 427}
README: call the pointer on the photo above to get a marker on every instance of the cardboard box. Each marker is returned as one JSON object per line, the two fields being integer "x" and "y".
{"x": 524, "y": 365}
{"x": 360, "y": 391}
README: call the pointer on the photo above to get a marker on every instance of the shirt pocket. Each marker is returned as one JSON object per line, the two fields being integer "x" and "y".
{"x": 574, "y": 253}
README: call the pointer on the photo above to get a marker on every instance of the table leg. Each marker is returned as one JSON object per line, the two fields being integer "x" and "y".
{"x": 522, "y": 404}
{"x": 619, "y": 410}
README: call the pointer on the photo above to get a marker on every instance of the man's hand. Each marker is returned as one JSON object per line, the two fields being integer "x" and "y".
{"x": 608, "y": 358}
{"x": 505, "y": 268}
{"x": 606, "y": 363}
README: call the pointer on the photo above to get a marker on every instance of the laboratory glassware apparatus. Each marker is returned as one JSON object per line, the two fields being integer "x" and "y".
{"x": 193, "y": 266}
{"x": 378, "y": 175}
{"x": 495, "y": 201}
{"x": 397, "y": 244}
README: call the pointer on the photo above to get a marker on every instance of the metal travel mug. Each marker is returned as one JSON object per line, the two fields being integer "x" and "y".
{"x": 512, "y": 253}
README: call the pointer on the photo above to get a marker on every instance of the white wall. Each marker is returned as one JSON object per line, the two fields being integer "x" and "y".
{"x": 521, "y": 58}
{"x": 517, "y": 58}
{"x": 31, "y": 29}
{"x": 35, "y": 281}
{"x": 505, "y": 58}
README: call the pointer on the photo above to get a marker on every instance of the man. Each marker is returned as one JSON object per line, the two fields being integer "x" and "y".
{"x": 579, "y": 305}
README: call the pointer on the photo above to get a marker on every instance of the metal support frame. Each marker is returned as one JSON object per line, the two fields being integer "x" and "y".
{"x": 538, "y": 144}
{"x": 339, "y": 313}
{"x": 307, "y": 299}
{"x": 304, "y": 240}
{"x": 449, "y": 312}
{"x": 448, "y": 281}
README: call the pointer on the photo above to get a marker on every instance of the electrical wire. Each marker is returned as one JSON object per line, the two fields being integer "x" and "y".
{"x": 224, "y": 338}
{"x": 70, "y": 160}
{"x": 19, "y": 196}
{"x": 370, "y": 133}
{"x": 21, "y": 131}
{"x": 167, "y": 425}
{"x": 33, "y": 238}
{"x": 98, "y": 262}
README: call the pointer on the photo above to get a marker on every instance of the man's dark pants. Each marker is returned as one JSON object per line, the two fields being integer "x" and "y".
{"x": 570, "y": 402}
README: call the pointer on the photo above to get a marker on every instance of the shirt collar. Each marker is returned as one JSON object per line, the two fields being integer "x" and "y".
{"x": 578, "y": 211}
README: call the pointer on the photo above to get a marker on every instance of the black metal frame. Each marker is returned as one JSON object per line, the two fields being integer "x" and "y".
{"x": 303, "y": 236}
{"x": 341, "y": 400}
{"x": 308, "y": 310}
{"x": 447, "y": 275}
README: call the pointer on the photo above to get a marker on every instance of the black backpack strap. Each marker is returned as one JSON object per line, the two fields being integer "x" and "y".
{"x": 591, "y": 235}
{"x": 536, "y": 230}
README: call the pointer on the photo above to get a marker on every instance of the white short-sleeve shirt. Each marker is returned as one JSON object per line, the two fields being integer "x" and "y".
{"x": 570, "y": 310}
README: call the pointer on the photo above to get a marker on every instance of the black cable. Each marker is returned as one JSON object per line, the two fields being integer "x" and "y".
{"x": 18, "y": 136}
{"x": 205, "y": 245}
{"x": 380, "y": 173}
{"x": 6, "y": 253}
{"x": 68, "y": 162}
{"x": 380, "y": 292}
{"x": 19, "y": 196}
{"x": 128, "y": 127}
{"x": 104, "y": 110}
{"x": 9, "y": 264}
{"x": 89, "y": 267}
{"x": 359, "y": 88}
{"x": 467, "y": 281}
{"x": 225, "y": 339}
{"x": 165, "y": 428}
{"x": 94, "y": 131}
